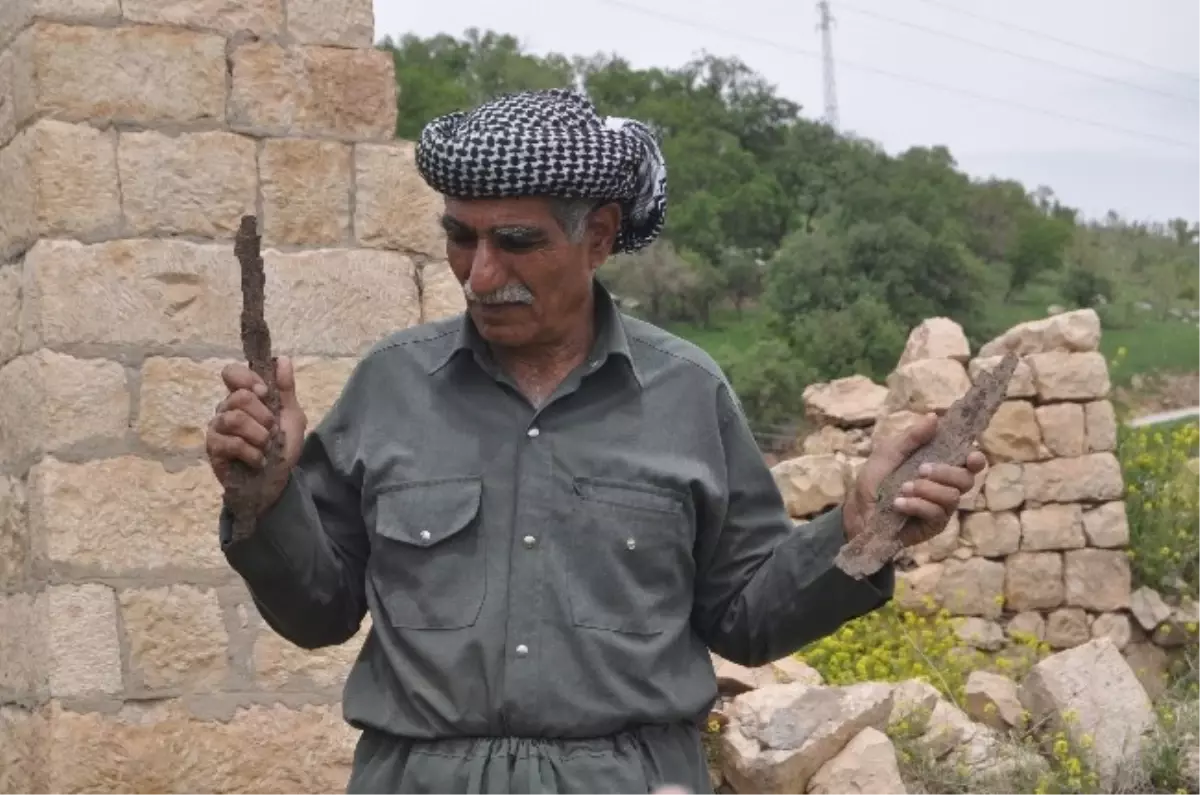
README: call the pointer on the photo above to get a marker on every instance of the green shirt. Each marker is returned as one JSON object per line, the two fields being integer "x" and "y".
{"x": 544, "y": 584}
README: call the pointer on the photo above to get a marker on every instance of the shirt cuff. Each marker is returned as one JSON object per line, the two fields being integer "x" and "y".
{"x": 263, "y": 555}
{"x": 827, "y": 535}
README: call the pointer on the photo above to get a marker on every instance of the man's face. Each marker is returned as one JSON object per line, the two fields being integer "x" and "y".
{"x": 526, "y": 282}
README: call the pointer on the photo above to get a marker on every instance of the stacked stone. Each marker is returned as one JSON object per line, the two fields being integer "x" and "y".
{"x": 1039, "y": 544}
{"x": 133, "y": 136}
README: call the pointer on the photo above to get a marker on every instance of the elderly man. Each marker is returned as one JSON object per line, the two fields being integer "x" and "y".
{"x": 551, "y": 511}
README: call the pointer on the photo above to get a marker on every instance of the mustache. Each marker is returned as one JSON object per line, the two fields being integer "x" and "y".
{"x": 508, "y": 294}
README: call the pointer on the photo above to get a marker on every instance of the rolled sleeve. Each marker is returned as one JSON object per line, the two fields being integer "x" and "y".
{"x": 767, "y": 587}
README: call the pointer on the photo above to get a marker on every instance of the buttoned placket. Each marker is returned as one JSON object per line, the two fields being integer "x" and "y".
{"x": 532, "y": 515}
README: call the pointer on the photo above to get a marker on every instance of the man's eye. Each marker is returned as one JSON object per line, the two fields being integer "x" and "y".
{"x": 517, "y": 243}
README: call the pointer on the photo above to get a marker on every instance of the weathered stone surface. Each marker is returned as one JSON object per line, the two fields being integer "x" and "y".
{"x": 789, "y": 670}
{"x": 319, "y": 383}
{"x": 1095, "y": 477}
{"x": 1067, "y": 627}
{"x": 81, "y": 636}
{"x": 10, "y": 312}
{"x": 866, "y": 765}
{"x": 281, "y": 665}
{"x": 1020, "y": 385}
{"x": 394, "y": 207}
{"x": 1054, "y": 526}
{"x": 261, "y": 17}
{"x": 177, "y": 401}
{"x": 913, "y": 701}
{"x": 948, "y": 728}
{"x": 125, "y": 514}
{"x": 52, "y": 401}
{"x": 17, "y": 14}
{"x": 849, "y": 402}
{"x": 345, "y": 93}
{"x": 24, "y": 748}
{"x": 152, "y": 293}
{"x": 137, "y": 74}
{"x": 1150, "y": 665}
{"x": 811, "y": 483}
{"x": 1033, "y": 581}
{"x": 1027, "y": 625}
{"x": 979, "y": 633}
{"x": 167, "y": 192}
{"x": 1114, "y": 626}
{"x": 1181, "y": 625}
{"x": 306, "y": 192}
{"x": 441, "y": 293}
{"x": 1062, "y": 428}
{"x": 893, "y": 424}
{"x": 1069, "y": 331}
{"x": 1148, "y": 608}
{"x": 16, "y": 83}
{"x": 1094, "y": 686}
{"x": 1013, "y": 434}
{"x": 936, "y": 338}
{"x": 1097, "y": 579}
{"x": 23, "y": 655}
{"x": 176, "y": 637}
{"x": 61, "y": 181}
{"x": 831, "y": 439}
{"x": 164, "y": 748}
{"x": 345, "y": 23}
{"x": 992, "y": 535}
{"x": 917, "y": 590}
{"x": 1070, "y": 376}
{"x": 940, "y": 547}
{"x": 14, "y": 532}
{"x": 926, "y": 385}
{"x": 972, "y": 587}
{"x": 1004, "y": 488}
{"x": 1107, "y": 526}
{"x": 992, "y": 700}
{"x": 1100, "y": 420}
{"x": 782, "y": 734}
{"x": 338, "y": 302}
{"x": 734, "y": 679}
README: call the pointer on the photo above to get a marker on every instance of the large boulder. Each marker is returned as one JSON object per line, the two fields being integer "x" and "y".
{"x": 866, "y": 765}
{"x": 1070, "y": 331}
{"x": 936, "y": 338}
{"x": 848, "y": 402}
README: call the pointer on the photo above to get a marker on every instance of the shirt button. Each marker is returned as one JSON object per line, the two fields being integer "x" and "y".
{"x": 631, "y": 544}
{"x": 529, "y": 541}
{"x": 425, "y": 535}
{"x": 533, "y": 432}
{"x": 522, "y": 650}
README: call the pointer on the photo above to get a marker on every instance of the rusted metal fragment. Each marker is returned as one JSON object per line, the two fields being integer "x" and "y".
{"x": 956, "y": 435}
{"x": 245, "y": 487}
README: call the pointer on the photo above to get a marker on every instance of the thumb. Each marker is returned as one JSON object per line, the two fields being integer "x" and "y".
{"x": 285, "y": 380}
{"x": 901, "y": 446}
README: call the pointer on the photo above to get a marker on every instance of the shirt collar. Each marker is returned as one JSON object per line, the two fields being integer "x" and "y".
{"x": 611, "y": 337}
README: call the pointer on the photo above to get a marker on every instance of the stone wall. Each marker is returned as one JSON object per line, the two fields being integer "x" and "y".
{"x": 133, "y": 136}
{"x": 1039, "y": 546}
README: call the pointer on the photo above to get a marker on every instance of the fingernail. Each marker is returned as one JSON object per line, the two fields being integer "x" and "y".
{"x": 260, "y": 390}
{"x": 899, "y": 503}
{"x": 906, "y": 488}
{"x": 925, "y": 470}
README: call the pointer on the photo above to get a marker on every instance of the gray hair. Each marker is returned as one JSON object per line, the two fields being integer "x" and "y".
{"x": 572, "y": 215}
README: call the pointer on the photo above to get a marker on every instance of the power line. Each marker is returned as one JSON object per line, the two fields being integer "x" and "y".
{"x": 1063, "y": 42}
{"x": 895, "y": 76}
{"x": 1037, "y": 59}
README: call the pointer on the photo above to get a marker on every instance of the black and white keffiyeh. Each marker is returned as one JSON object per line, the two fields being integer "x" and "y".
{"x": 550, "y": 143}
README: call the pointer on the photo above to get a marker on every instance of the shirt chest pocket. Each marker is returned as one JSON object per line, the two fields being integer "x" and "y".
{"x": 629, "y": 568}
{"x": 428, "y": 559}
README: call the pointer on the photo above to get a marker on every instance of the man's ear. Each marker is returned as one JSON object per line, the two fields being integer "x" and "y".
{"x": 603, "y": 225}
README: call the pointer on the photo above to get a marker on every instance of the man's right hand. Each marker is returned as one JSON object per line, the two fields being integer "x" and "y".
{"x": 242, "y": 425}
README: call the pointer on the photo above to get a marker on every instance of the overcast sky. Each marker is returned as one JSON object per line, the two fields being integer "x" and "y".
{"x": 906, "y": 71}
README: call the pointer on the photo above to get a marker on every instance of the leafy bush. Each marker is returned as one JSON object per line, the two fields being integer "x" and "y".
{"x": 1162, "y": 501}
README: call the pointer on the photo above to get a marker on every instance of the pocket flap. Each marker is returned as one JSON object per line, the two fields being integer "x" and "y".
{"x": 426, "y": 513}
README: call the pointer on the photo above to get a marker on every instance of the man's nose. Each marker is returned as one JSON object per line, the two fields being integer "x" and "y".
{"x": 486, "y": 272}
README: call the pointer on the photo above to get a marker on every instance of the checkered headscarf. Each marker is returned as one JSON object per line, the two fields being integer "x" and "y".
{"x": 550, "y": 143}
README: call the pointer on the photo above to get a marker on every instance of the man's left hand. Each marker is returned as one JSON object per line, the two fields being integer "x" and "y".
{"x": 930, "y": 500}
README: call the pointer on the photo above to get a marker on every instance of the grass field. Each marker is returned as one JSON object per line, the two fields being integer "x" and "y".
{"x": 1150, "y": 344}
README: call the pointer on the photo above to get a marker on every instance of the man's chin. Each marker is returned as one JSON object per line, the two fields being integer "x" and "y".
{"x": 502, "y": 324}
